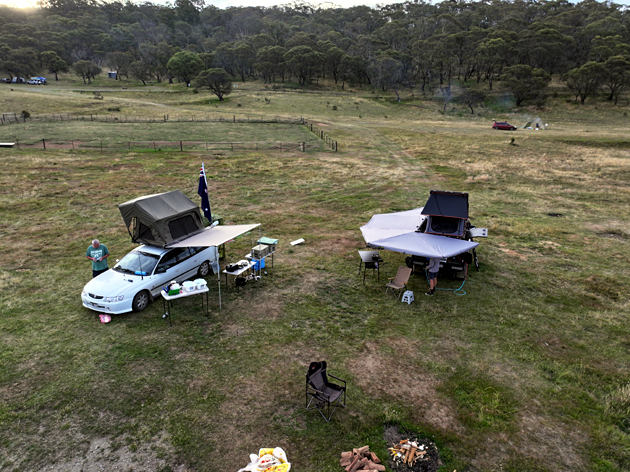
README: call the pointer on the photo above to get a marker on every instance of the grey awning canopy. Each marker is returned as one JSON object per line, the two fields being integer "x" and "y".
{"x": 215, "y": 236}
{"x": 398, "y": 232}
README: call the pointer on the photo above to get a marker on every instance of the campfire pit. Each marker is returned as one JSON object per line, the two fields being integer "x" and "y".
{"x": 410, "y": 453}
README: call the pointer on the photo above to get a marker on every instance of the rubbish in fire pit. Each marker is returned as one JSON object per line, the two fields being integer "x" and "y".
{"x": 361, "y": 460}
{"x": 426, "y": 457}
{"x": 407, "y": 452}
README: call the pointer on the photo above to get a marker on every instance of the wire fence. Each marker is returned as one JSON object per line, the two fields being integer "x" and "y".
{"x": 157, "y": 146}
{"x": 321, "y": 134}
{"x": 16, "y": 118}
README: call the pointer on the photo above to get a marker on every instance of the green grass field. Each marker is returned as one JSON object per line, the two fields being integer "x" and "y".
{"x": 528, "y": 371}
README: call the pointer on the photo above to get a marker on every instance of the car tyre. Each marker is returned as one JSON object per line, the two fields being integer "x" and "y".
{"x": 140, "y": 301}
{"x": 204, "y": 269}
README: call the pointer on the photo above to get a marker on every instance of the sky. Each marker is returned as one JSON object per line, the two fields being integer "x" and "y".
{"x": 266, "y": 3}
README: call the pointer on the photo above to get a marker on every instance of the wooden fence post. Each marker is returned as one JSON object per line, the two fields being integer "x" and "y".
{"x": 44, "y": 143}
{"x": 181, "y": 146}
{"x": 101, "y": 145}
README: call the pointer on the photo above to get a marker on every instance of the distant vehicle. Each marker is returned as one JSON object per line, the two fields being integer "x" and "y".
{"x": 18, "y": 80}
{"x": 34, "y": 81}
{"x": 503, "y": 125}
{"x": 42, "y": 80}
{"x": 5, "y": 80}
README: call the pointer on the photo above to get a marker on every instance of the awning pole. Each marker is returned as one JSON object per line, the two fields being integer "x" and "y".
{"x": 219, "y": 280}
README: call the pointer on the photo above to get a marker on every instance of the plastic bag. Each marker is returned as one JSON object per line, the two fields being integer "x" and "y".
{"x": 268, "y": 460}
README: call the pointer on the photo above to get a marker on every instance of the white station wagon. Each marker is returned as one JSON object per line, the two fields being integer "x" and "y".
{"x": 139, "y": 277}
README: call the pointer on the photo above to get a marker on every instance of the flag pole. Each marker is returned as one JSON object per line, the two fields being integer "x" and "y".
{"x": 203, "y": 170}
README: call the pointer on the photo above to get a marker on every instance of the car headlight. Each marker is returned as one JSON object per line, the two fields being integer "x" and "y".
{"x": 119, "y": 298}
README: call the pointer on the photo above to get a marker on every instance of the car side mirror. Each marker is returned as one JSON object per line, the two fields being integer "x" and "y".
{"x": 161, "y": 270}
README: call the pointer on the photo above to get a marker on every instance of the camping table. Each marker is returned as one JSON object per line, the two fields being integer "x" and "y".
{"x": 167, "y": 300}
{"x": 368, "y": 262}
{"x": 247, "y": 265}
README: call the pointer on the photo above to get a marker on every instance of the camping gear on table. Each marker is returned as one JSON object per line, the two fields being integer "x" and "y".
{"x": 200, "y": 284}
{"x": 174, "y": 289}
{"x": 268, "y": 460}
{"x": 188, "y": 286}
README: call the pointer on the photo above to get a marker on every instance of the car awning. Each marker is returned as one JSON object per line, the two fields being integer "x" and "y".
{"x": 426, "y": 245}
{"x": 215, "y": 236}
{"x": 397, "y": 232}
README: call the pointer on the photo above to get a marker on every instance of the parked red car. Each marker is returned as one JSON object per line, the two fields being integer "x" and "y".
{"x": 503, "y": 125}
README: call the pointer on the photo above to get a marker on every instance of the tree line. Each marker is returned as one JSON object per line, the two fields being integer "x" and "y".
{"x": 521, "y": 43}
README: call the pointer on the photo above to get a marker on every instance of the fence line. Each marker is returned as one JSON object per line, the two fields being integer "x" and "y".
{"x": 320, "y": 133}
{"x": 15, "y": 118}
{"x": 158, "y": 146}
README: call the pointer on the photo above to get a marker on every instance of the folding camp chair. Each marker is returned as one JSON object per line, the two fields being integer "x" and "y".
{"x": 399, "y": 283}
{"x": 321, "y": 393}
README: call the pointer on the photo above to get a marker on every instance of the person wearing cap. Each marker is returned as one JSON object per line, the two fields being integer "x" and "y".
{"x": 98, "y": 254}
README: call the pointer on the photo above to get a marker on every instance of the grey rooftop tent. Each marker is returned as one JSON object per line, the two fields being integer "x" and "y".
{"x": 161, "y": 219}
{"x": 439, "y": 229}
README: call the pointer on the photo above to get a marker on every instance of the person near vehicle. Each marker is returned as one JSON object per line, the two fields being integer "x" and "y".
{"x": 433, "y": 268}
{"x": 98, "y": 254}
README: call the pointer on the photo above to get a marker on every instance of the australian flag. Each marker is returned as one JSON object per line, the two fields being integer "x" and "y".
{"x": 203, "y": 193}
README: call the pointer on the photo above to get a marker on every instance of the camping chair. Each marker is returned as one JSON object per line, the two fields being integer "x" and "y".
{"x": 399, "y": 283}
{"x": 321, "y": 393}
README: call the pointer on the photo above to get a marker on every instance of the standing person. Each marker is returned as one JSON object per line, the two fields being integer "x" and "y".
{"x": 98, "y": 254}
{"x": 433, "y": 268}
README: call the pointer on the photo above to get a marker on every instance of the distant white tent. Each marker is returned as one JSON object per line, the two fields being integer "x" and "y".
{"x": 397, "y": 232}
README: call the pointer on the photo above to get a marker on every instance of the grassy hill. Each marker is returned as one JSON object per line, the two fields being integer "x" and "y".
{"x": 528, "y": 371}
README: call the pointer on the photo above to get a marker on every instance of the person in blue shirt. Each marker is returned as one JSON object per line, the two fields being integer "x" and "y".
{"x": 98, "y": 254}
{"x": 433, "y": 268}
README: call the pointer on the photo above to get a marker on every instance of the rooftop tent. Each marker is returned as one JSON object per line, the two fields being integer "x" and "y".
{"x": 443, "y": 203}
{"x": 160, "y": 219}
{"x": 447, "y": 213}
{"x": 398, "y": 232}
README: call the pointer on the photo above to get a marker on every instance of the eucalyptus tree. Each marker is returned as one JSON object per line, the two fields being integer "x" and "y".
{"x": 525, "y": 82}
{"x": 387, "y": 73}
{"x": 303, "y": 62}
{"x": 53, "y": 63}
{"x": 216, "y": 80}
{"x": 270, "y": 63}
{"x": 585, "y": 81}
{"x": 616, "y": 76}
{"x": 185, "y": 65}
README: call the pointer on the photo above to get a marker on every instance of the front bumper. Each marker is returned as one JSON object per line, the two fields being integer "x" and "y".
{"x": 112, "y": 308}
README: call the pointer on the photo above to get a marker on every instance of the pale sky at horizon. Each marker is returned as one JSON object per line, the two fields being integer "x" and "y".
{"x": 266, "y": 3}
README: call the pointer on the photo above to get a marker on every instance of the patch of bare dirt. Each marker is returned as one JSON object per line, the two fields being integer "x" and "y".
{"x": 103, "y": 455}
{"x": 396, "y": 376}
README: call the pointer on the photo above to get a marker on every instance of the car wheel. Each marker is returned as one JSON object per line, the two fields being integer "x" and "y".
{"x": 204, "y": 269}
{"x": 140, "y": 301}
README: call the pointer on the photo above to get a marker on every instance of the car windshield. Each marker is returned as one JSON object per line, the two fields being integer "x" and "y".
{"x": 137, "y": 262}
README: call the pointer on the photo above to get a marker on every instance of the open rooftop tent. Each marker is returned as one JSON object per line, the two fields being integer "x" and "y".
{"x": 398, "y": 232}
{"x": 161, "y": 219}
{"x": 172, "y": 220}
{"x": 438, "y": 229}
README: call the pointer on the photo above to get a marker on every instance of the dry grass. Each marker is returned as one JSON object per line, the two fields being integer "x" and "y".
{"x": 527, "y": 371}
